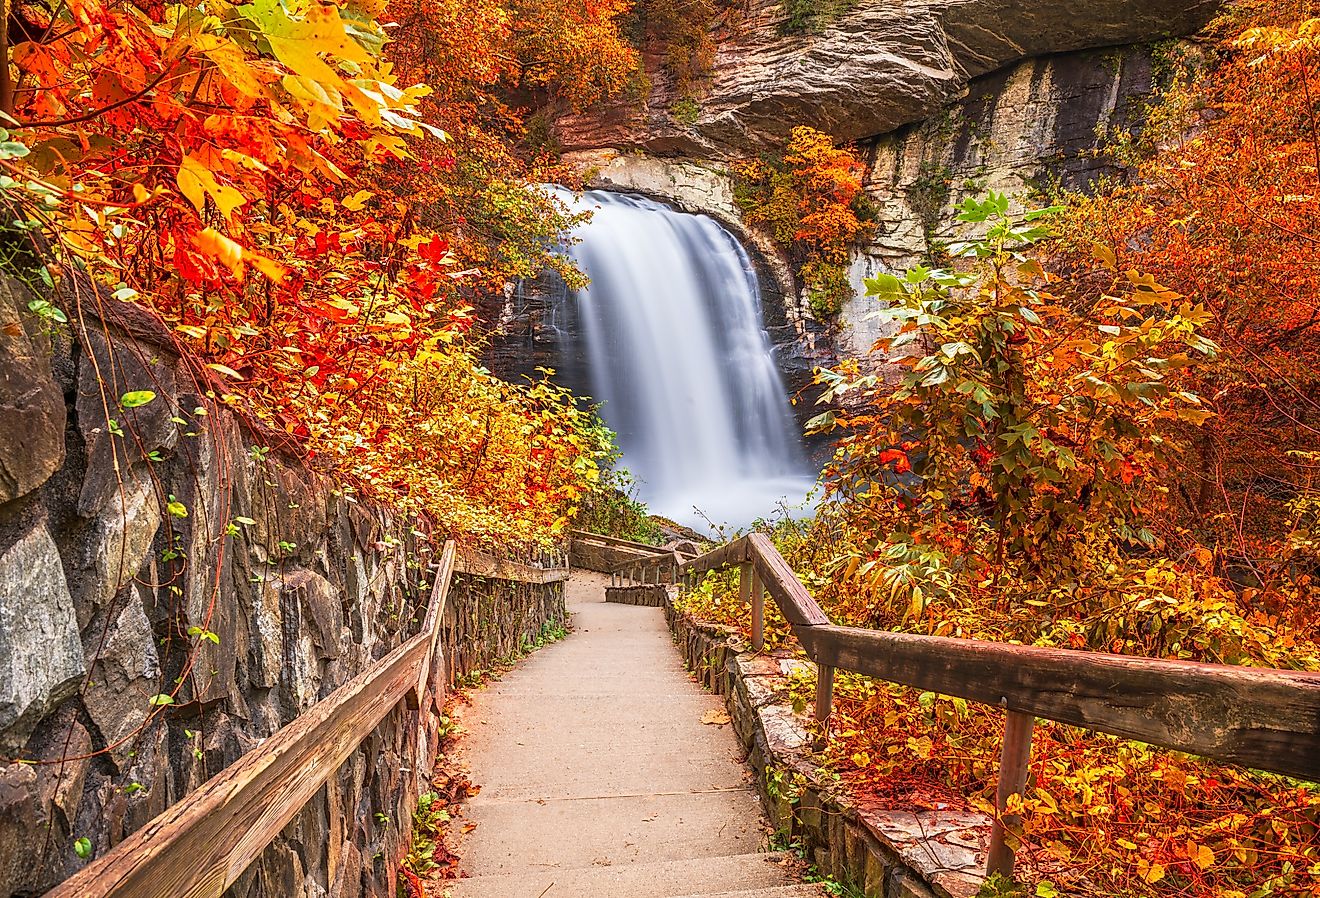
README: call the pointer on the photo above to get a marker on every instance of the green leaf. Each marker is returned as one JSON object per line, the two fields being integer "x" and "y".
{"x": 50, "y": 312}
{"x": 821, "y": 422}
{"x": 1046, "y": 212}
{"x": 83, "y": 847}
{"x": 136, "y": 398}
{"x": 242, "y": 520}
{"x": 161, "y": 699}
{"x": 884, "y": 285}
{"x": 204, "y": 634}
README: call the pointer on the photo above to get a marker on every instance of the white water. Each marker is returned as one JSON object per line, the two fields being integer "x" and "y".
{"x": 678, "y": 354}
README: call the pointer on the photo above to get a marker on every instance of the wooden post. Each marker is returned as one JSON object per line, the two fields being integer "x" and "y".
{"x": 824, "y": 696}
{"x": 1013, "y": 769}
{"x": 745, "y": 582}
{"x": 758, "y": 611}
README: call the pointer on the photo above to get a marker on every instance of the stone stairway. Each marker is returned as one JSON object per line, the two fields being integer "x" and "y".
{"x": 604, "y": 772}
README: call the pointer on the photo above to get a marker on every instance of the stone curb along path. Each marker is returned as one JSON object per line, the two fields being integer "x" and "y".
{"x": 884, "y": 853}
{"x": 605, "y": 771}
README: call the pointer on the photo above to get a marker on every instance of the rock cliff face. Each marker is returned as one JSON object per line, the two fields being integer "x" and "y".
{"x": 882, "y": 65}
{"x": 1024, "y": 130}
{"x": 122, "y": 544}
{"x": 943, "y": 99}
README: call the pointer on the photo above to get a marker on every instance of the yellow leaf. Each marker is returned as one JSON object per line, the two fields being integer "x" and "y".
{"x": 1155, "y": 873}
{"x": 269, "y": 267}
{"x": 299, "y": 44}
{"x": 358, "y": 201}
{"x": 226, "y": 370}
{"x": 1205, "y": 857}
{"x": 196, "y": 182}
{"x": 221, "y": 248}
{"x": 922, "y": 747}
{"x": 232, "y": 254}
{"x": 233, "y": 64}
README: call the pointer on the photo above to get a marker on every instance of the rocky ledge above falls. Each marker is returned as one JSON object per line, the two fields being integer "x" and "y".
{"x": 882, "y": 65}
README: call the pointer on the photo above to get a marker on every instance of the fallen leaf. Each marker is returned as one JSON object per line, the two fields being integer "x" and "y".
{"x": 716, "y": 717}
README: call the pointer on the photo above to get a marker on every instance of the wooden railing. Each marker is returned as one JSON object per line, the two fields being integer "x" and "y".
{"x": 551, "y": 566}
{"x": 198, "y": 847}
{"x": 588, "y": 536}
{"x": 641, "y": 571}
{"x": 1257, "y": 717}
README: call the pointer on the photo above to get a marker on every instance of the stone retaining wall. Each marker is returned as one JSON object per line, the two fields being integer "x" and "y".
{"x": 652, "y": 595}
{"x": 883, "y": 852}
{"x": 172, "y": 552}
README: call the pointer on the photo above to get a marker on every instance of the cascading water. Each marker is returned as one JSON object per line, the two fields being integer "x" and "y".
{"x": 677, "y": 352}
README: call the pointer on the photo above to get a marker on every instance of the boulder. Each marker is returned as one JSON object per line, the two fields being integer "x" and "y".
{"x": 111, "y": 367}
{"x": 39, "y": 808}
{"x": 41, "y": 655}
{"x": 32, "y": 413}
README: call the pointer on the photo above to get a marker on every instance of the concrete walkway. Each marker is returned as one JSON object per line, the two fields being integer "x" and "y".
{"x": 599, "y": 778}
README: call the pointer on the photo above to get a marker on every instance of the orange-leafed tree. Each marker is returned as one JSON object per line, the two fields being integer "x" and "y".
{"x": 1221, "y": 206}
{"x": 246, "y": 176}
{"x": 811, "y": 202}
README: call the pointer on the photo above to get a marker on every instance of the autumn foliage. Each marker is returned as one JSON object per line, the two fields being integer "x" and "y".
{"x": 1222, "y": 205}
{"x": 275, "y": 181}
{"x": 810, "y": 202}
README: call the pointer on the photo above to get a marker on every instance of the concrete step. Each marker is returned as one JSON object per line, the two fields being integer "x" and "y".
{"x": 801, "y": 890}
{"x": 728, "y": 876}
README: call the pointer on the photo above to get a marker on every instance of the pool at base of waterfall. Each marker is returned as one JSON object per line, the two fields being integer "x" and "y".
{"x": 678, "y": 357}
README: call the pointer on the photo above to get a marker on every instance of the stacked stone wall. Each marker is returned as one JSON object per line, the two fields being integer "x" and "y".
{"x": 169, "y": 548}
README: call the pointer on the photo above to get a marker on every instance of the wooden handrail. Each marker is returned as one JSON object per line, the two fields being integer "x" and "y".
{"x": 588, "y": 536}
{"x": 1257, "y": 717}
{"x": 669, "y": 561}
{"x": 480, "y": 564}
{"x": 200, "y": 846}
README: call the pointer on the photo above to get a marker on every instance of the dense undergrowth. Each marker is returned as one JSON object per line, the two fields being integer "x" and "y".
{"x": 1104, "y": 441}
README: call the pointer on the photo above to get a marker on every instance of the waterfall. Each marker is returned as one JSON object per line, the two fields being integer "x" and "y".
{"x": 677, "y": 352}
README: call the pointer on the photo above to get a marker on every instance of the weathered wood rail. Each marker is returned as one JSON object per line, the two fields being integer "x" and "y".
{"x": 552, "y": 568}
{"x": 1256, "y": 717}
{"x": 664, "y": 563}
{"x": 202, "y": 844}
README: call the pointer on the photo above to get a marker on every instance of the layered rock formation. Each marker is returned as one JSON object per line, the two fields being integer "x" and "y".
{"x": 1025, "y": 130}
{"x": 881, "y": 65}
{"x": 164, "y": 548}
